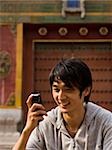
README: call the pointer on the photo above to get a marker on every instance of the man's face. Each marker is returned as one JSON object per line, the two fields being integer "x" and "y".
{"x": 68, "y": 99}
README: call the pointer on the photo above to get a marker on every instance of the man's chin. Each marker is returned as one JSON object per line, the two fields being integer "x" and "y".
{"x": 63, "y": 110}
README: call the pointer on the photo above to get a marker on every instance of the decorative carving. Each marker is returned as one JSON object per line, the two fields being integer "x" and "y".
{"x": 11, "y": 99}
{"x": 103, "y": 30}
{"x": 13, "y": 29}
{"x": 83, "y": 31}
{"x": 42, "y": 31}
{"x": 62, "y": 31}
{"x": 5, "y": 64}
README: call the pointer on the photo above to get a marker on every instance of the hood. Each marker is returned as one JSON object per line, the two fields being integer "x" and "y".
{"x": 92, "y": 110}
{"x": 55, "y": 117}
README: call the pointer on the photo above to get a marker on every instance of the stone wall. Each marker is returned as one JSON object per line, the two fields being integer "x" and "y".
{"x": 9, "y": 118}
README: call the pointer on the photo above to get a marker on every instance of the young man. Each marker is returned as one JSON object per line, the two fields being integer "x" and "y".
{"x": 76, "y": 123}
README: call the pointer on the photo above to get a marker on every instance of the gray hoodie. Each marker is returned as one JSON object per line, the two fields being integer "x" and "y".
{"x": 95, "y": 133}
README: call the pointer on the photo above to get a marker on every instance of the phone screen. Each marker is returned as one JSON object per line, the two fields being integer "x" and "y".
{"x": 36, "y": 98}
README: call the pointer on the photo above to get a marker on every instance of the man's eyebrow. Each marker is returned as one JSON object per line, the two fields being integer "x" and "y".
{"x": 56, "y": 85}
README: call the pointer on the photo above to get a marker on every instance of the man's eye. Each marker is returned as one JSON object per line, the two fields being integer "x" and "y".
{"x": 56, "y": 90}
{"x": 67, "y": 89}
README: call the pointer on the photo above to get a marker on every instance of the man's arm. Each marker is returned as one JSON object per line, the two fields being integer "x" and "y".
{"x": 108, "y": 139}
{"x": 21, "y": 143}
{"x": 35, "y": 114}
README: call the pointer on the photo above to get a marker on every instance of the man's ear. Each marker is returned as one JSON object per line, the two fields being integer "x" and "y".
{"x": 86, "y": 92}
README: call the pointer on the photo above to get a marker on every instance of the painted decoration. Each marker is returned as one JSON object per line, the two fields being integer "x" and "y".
{"x": 73, "y": 6}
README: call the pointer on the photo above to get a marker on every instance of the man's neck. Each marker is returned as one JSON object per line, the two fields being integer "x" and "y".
{"x": 74, "y": 120}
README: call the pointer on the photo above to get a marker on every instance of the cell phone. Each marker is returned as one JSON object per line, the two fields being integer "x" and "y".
{"x": 36, "y": 98}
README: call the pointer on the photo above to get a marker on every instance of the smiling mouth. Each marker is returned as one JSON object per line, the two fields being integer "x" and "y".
{"x": 64, "y": 105}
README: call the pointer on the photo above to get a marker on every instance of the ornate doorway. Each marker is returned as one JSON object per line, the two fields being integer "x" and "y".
{"x": 45, "y": 44}
{"x": 98, "y": 56}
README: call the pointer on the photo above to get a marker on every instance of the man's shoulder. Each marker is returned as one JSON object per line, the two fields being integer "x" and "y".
{"x": 97, "y": 112}
{"x": 99, "y": 109}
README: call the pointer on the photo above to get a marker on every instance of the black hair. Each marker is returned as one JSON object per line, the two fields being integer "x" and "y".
{"x": 74, "y": 73}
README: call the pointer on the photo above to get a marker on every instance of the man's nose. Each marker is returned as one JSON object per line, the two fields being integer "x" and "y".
{"x": 62, "y": 95}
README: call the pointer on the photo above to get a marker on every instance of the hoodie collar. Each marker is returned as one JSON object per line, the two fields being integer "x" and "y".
{"x": 91, "y": 111}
